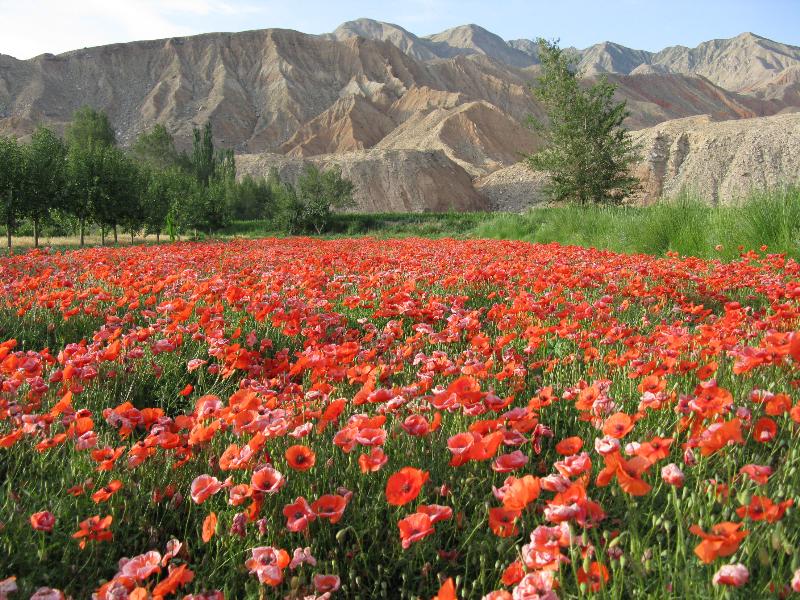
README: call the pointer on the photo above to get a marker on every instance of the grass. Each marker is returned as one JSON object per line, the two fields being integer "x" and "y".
{"x": 686, "y": 225}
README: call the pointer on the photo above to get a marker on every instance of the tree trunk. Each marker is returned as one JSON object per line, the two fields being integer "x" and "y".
{"x": 8, "y": 236}
{"x": 35, "y": 232}
{"x": 131, "y": 238}
{"x": 158, "y": 237}
{"x": 102, "y": 235}
{"x": 83, "y": 227}
{"x": 115, "y": 235}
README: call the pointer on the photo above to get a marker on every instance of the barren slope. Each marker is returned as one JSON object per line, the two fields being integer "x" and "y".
{"x": 385, "y": 180}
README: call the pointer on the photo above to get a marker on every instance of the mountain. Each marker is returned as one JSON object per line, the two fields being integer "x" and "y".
{"x": 381, "y": 100}
{"x": 720, "y": 161}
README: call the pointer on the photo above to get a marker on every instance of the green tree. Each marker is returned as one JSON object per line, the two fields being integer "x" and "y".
{"x": 45, "y": 163}
{"x": 320, "y": 193}
{"x": 84, "y": 167}
{"x": 90, "y": 127}
{"x": 117, "y": 200}
{"x": 11, "y": 183}
{"x": 203, "y": 157}
{"x": 252, "y": 199}
{"x": 156, "y": 148}
{"x": 588, "y": 153}
{"x": 161, "y": 196}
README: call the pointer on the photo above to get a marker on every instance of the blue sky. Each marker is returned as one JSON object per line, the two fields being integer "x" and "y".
{"x": 37, "y": 26}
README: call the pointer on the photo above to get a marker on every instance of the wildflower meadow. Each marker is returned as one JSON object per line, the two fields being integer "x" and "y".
{"x": 360, "y": 418}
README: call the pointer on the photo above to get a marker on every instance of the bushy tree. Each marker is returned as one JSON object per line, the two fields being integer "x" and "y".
{"x": 588, "y": 152}
{"x": 45, "y": 170}
{"x": 90, "y": 127}
{"x": 117, "y": 199}
{"x": 84, "y": 168}
{"x": 252, "y": 199}
{"x": 156, "y": 148}
{"x": 320, "y": 193}
{"x": 203, "y": 159}
{"x": 11, "y": 183}
{"x": 161, "y": 196}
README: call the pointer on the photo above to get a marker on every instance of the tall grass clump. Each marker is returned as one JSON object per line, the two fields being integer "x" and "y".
{"x": 685, "y": 224}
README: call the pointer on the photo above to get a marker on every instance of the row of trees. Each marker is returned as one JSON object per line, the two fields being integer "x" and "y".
{"x": 151, "y": 188}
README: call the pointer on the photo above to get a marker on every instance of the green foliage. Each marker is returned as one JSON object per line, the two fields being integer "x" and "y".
{"x": 45, "y": 166}
{"x": 252, "y": 199}
{"x": 310, "y": 205}
{"x": 84, "y": 189}
{"x": 588, "y": 152}
{"x": 11, "y": 183}
{"x": 90, "y": 127}
{"x": 686, "y": 225}
{"x": 156, "y": 148}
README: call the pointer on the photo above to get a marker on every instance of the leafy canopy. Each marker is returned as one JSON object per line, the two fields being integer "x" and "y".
{"x": 587, "y": 153}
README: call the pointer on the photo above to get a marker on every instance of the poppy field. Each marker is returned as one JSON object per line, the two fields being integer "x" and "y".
{"x": 362, "y": 418}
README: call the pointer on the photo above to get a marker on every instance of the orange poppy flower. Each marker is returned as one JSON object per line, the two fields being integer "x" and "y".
{"x": 569, "y": 446}
{"x": 618, "y": 425}
{"x": 405, "y": 485}
{"x": 596, "y": 577}
{"x": 723, "y": 541}
{"x": 521, "y": 492}
{"x": 513, "y": 573}
{"x": 209, "y": 527}
{"x": 413, "y": 528}
{"x": 300, "y": 458}
{"x": 502, "y": 521}
{"x": 330, "y": 506}
{"x": 177, "y": 577}
{"x": 103, "y": 495}
{"x": 447, "y": 591}
{"x": 762, "y": 508}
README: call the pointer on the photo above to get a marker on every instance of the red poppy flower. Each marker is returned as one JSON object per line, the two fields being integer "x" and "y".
{"x": 569, "y": 446}
{"x": 300, "y": 458}
{"x": 298, "y": 514}
{"x": 413, "y": 528}
{"x": 330, "y": 506}
{"x": 43, "y": 521}
{"x": 369, "y": 463}
{"x": 405, "y": 485}
{"x": 596, "y": 577}
{"x": 105, "y": 493}
{"x": 502, "y": 521}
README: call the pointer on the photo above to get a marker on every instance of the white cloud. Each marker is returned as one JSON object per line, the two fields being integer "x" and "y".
{"x": 31, "y": 28}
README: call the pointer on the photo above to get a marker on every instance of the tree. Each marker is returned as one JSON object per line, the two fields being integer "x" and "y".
{"x": 161, "y": 196}
{"x": 11, "y": 183}
{"x": 202, "y": 158}
{"x": 90, "y": 127}
{"x": 44, "y": 165}
{"x": 588, "y": 152}
{"x": 156, "y": 148}
{"x": 321, "y": 192}
{"x": 84, "y": 169}
{"x": 252, "y": 199}
{"x": 117, "y": 199}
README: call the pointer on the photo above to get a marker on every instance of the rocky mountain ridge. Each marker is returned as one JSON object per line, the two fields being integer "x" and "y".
{"x": 381, "y": 100}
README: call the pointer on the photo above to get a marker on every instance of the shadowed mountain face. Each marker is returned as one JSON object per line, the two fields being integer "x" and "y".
{"x": 454, "y": 101}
